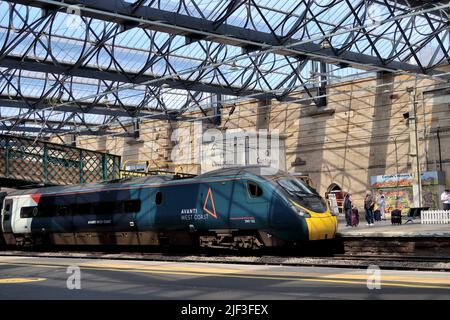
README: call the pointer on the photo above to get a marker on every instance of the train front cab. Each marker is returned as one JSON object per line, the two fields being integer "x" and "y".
{"x": 16, "y": 229}
{"x": 320, "y": 225}
{"x": 306, "y": 216}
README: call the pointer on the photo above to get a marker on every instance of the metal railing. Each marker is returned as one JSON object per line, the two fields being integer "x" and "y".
{"x": 46, "y": 163}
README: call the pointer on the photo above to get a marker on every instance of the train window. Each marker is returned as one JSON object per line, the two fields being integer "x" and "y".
{"x": 254, "y": 190}
{"x": 63, "y": 210}
{"x": 7, "y": 208}
{"x": 132, "y": 206}
{"x": 106, "y": 207}
{"x": 82, "y": 208}
{"x": 295, "y": 186}
{"x": 158, "y": 198}
{"x": 28, "y": 212}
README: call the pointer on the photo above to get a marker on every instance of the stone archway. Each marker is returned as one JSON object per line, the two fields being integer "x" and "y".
{"x": 334, "y": 187}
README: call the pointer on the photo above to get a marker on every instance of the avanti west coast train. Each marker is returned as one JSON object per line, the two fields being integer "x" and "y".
{"x": 233, "y": 207}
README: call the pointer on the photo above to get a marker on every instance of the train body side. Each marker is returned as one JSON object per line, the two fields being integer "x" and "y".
{"x": 173, "y": 212}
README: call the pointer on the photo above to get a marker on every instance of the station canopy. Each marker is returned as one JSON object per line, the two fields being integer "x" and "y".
{"x": 79, "y": 67}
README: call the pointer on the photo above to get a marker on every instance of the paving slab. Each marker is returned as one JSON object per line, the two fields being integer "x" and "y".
{"x": 386, "y": 229}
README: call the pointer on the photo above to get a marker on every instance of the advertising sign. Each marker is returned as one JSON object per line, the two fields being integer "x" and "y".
{"x": 333, "y": 203}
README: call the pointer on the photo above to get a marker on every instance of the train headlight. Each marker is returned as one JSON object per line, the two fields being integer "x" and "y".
{"x": 303, "y": 213}
{"x": 299, "y": 210}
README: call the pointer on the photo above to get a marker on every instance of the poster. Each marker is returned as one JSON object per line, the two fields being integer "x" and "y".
{"x": 398, "y": 190}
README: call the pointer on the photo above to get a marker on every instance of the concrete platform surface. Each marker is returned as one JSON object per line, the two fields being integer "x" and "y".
{"x": 54, "y": 278}
{"x": 386, "y": 229}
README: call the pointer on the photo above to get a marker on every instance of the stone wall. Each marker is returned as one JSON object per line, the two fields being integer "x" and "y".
{"x": 362, "y": 132}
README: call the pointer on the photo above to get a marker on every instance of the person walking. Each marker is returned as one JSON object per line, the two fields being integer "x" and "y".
{"x": 445, "y": 199}
{"x": 348, "y": 208}
{"x": 369, "y": 204}
{"x": 382, "y": 204}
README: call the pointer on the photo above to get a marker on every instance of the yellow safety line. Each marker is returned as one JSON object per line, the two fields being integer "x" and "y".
{"x": 215, "y": 270}
{"x": 20, "y": 280}
{"x": 241, "y": 276}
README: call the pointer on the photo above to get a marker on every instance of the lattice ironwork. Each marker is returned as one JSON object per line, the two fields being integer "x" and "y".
{"x": 150, "y": 58}
{"x": 45, "y": 163}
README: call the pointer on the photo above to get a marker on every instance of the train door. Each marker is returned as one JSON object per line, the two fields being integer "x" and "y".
{"x": 250, "y": 205}
{"x": 21, "y": 225}
{"x": 214, "y": 203}
{"x": 6, "y": 216}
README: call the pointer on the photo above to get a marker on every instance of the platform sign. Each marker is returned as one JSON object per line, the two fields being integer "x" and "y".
{"x": 333, "y": 203}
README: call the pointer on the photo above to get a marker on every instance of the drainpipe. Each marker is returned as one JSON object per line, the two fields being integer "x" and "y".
{"x": 424, "y": 131}
{"x": 438, "y": 129}
{"x": 439, "y": 148}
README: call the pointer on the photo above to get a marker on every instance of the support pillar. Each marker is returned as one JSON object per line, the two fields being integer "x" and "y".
{"x": 414, "y": 149}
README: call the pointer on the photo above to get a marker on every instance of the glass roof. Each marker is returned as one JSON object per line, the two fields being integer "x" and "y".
{"x": 107, "y": 48}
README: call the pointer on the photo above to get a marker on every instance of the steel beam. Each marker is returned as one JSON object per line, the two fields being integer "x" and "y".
{"x": 118, "y": 11}
{"x": 100, "y": 109}
{"x": 56, "y": 131}
{"x": 91, "y": 73}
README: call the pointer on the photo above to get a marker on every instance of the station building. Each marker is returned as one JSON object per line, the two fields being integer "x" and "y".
{"x": 360, "y": 136}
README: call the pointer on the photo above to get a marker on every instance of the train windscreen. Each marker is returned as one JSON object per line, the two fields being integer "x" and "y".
{"x": 303, "y": 193}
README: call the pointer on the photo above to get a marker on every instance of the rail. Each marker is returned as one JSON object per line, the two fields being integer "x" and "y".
{"x": 435, "y": 217}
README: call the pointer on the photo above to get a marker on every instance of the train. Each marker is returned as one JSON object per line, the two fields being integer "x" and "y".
{"x": 234, "y": 207}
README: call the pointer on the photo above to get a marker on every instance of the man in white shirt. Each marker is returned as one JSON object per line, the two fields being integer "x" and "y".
{"x": 445, "y": 199}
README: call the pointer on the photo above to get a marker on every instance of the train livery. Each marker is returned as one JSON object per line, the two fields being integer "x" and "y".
{"x": 231, "y": 207}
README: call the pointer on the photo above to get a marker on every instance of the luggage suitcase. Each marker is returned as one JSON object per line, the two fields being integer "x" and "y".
{"x": 377, "y": 215}
{"x": 354, "y": 217}
{"x": 396, "y": 216}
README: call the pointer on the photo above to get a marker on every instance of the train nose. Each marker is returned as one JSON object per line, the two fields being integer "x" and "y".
{"x": 321, "y": 226}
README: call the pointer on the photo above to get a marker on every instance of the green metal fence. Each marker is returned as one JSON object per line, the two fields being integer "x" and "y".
{"x": 42, "y": 162}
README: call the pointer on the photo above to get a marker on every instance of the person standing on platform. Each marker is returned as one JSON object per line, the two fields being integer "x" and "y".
{"x": 382, "y": 204}
{"x": 445, "y": 199}
{"x": 369, "y": 204}
{"x": 348, "y": 208}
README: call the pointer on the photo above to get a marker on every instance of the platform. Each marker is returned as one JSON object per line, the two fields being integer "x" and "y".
{"x": 386, "y": 229}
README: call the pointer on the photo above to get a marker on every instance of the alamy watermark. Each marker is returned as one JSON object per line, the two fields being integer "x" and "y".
{"x": 214, "y": 148}
{"x": 374, "y": 277}
{"x": 74, "y": 280}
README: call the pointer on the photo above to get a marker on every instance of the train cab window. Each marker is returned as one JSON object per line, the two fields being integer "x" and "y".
{"x": 28, "y": 212}
{"x": 158, "y": 198}
{"x": 7, "y": 212}
{"x": 254, "y": 190}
